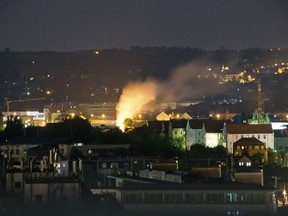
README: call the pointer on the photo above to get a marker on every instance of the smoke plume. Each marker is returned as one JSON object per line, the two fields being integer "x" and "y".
{"x": 187, "y": 82}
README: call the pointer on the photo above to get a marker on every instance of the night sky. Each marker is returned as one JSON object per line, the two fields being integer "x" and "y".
{"x": 67, "y": 25}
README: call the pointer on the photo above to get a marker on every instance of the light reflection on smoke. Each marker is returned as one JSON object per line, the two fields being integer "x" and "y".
{"x": 134, "y": 97}
{"x": 187, "y": 81}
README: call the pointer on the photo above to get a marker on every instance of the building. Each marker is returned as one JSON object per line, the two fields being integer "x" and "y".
{"x": 234, "y": 132}
{"x": 214, "y": 133}
{"x": 198, "y": 198}
{"x": 195, "y": 132}
{"x": 52, "y": 190}
{"x": 252, "y": 147}
{"x": 177, "y": 130}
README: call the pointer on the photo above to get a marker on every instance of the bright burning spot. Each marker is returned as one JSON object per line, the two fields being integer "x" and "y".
{"x": 135, "y": 97}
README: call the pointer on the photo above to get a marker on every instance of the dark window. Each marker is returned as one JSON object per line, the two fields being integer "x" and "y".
{"x": 173, "y": 198}
{"x": 17, "y": 185}
{"x": 38, "y": 198}
{"x": 153, "y": 198}
{"x": 17, "y": 151}
{"x": 189, "y": 198}
{"x": 214, "y": 198}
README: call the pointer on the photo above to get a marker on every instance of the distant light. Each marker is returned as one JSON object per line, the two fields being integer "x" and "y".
{"x": 97, "y": 52}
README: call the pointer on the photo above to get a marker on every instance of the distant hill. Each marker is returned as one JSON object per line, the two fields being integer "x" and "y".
{"x": 99, "y": 75}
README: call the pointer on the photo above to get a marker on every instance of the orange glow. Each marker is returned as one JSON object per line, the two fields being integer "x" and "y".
{"x": 135, "y": 99}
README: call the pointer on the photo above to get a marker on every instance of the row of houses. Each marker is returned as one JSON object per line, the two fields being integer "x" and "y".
{"x": 211, "y": 133}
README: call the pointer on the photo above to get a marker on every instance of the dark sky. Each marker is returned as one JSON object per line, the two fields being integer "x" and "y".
{"x": 62, "y": 25}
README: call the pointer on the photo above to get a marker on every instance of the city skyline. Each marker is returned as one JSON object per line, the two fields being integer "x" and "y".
{"x": 84, "y": 25}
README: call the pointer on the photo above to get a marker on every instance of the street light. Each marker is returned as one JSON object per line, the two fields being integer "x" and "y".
{"x": 284, "y": 195}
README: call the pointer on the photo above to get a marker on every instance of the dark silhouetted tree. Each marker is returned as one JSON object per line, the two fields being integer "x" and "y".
{"x": 14, "y": 128}
{"x": 80, "y": 129}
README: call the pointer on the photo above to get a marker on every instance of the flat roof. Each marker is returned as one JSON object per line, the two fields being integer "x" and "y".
{"x": 222, "y": 186}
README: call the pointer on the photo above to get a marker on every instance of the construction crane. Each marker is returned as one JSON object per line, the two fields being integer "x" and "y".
{"x": 8, "y": 102}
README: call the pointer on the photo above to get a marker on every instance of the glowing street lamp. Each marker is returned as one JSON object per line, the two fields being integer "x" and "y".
{"x": 284, "y": 195}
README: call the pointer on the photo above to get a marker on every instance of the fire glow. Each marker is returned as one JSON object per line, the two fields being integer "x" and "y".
{"x": 134, "y": 98}
{"x": 182, "y": 84}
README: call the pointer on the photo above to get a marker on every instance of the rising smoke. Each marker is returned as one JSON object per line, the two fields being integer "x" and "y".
{"x": 187, "y": 82}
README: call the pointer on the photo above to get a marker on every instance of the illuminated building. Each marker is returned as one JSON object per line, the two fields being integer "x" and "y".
{"x": 234, "y": 132}
{"x": 252, "y": 146}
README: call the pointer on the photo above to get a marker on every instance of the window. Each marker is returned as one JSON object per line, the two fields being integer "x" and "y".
{"x": 132, "y": 198}
{"x": 38, "y": 198}
{"x": 241, "y": 164}
{"x": 173, "y": 198}
{"x": 152, "y": 197}
{"x": 256, "y": 197}
{"x": 189, "y": 198}
{"x": 17, "y": 185}
{"x": 17, "y": 151}
{"x": 91, "y": 151}
{"x": 214, "y": 198}
{"x": 104, "y": 165}
{"x": 264, "y": 136}
{"x": 114, "y": 165}
{"x": 234, "y": 198}
{"x": 248, "y": 163}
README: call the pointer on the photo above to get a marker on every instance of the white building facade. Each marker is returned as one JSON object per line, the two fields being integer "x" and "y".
{"x": 234, "y": 132}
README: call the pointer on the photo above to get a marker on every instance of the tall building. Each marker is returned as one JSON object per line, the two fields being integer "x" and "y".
{"x": 259, "y": 117}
